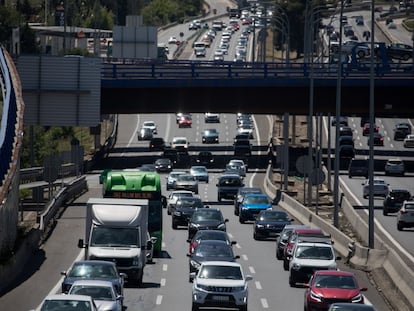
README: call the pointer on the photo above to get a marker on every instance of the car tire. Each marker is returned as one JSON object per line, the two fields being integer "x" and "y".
{"x": 219, "y": 198}
{"x": 174, "y": 224}
{"x": 292, "y": 282}
{"x": 384, "y": 212}
{"x": 194, "y": 307}
{"x": 400, "y": 226}
{"x": 278, "y": 256}
{"x": 255, "y": 236}
{"x": 241, "y": 219}
{"x": 243, "y": 308}
{"x": 285, "y": 265}
{"x": 168, "y": 211}
{"x": 236, "y": 211}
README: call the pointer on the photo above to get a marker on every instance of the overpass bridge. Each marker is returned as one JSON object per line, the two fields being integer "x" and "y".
{"x": 131, "y": 86}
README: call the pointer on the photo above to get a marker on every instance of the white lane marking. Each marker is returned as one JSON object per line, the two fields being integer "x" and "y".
{"x": 238, "y": 246}
{"x": 258, "y": 285}
{"x": 159, "y": 300}
{"x": 265, "y": 305}
{"x": 251, "y": 269}
{"x": 162, "y": 283}
{"x": 164, "y": 267}
{"x": 244, "y": 256}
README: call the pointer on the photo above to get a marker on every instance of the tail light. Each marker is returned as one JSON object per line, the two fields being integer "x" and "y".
{"x": 403, "y": 211}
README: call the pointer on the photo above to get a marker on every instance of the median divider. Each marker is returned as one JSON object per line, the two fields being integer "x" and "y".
{"x": 360, "y": 257}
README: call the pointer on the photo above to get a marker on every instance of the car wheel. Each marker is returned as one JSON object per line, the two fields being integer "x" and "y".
{"x": 236, "y": 211}
{"x": 350, "y": 176}
{"x": 255, "y": 236}
{"x": 207, "y": 181}
{"x": 168, "y": 211}
{"x": 243, "y": 308}
{"x": 194, "y": 307}
{"x": 292, "y": 282}
{"x": 278, "y": 255}
{"x": 219, "y": 198}
{"x": 400, "y": 227}
{"x": 174, "y": 224}
{"x": 384, "y": 212}
{"x": 241, "y": 220}
{"x": 285, "y": 265}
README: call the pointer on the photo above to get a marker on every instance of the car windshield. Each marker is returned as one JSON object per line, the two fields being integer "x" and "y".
{"x": 96, "y": 292}
{"x": 256, "y": 200}
{"x": 189, "y": 203}
{"x": 274, "y": 216}
{"x": 180, "y": 141}
{"x": 198, "y": 169}
{"x": 210, "y": 215}
{"x": 212, "y": 235}
{"x": 92, "y": 271}
{"x": 409, "y": 206}
{"x": 185, "y": 178}
{"x": 107, "y": 236}
{"x": 75, "y": 305}
{"x": 221, "y": 272}
{"x": 205, "y": 250}
{"x": 313, "y": 252}
{"x": 329, "y": 281}
{"x": 230, "y": 182}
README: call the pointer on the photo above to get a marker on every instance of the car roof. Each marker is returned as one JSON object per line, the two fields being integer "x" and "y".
{"x": 230, "y": 175}
{"x": 92, "y": 282}
{"x": 221, "y": 263}
{"x": 94, "y": 262}
{"x": 68, "y": 297}
{"x": 256, "y": 195}
{"x": 335, "y": 272}
{"x": 295, "y": 226}
{"x": 307, "y": 230}
{"x": 248, "y": 189}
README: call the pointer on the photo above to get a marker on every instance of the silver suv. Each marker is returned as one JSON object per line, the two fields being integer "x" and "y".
{"x": 307, "y": 257}
{"x": 220, "y": 284}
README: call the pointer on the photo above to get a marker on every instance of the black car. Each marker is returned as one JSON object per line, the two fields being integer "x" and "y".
{"x": 394, "y": 200}
{"x": 172, "y": 154}
{"x": 346, "y": 152}
{"x": 210, "y": 251}
{"x": 157, "y": 144}
{"x": 228, "y": 185}
{"x": 240, "y": 194}
{"x": 401, "y": 131}
{"x": 342, "y": 121}
{"x": 95, "y": 270}
{"x": 145, "y": 133}
{"x": 163, "y": 165}
{"x": 210, "y": 136}
{"x": 269, "y": 224}
{"x": 205, "y": 158}
{"x": 242, "y": 147}
{"x": 346, "y": 140}
{"x": 208, "y": 235}
{"x": 183, "y": 209}
{"x": 206, "y": 219}
{"x": 358, "y": 167}
{"x": 377, "y": 138}
{"x": 399, "y": 51}
{"x": 345, "y": 131}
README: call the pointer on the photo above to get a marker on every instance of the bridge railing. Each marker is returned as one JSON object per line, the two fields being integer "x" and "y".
{"x": 125, "y": 69}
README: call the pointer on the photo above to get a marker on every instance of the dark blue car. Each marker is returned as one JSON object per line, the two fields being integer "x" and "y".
{"x": 270, "y": 223}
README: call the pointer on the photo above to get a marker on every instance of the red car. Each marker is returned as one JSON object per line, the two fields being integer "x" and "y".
{"x": 329, "y": 286}
{"x": 365, "y": 130}
{"x": 300, "y": 234}
{"x": 185, "y": 121}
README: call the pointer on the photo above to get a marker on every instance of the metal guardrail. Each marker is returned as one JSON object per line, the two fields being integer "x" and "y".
{"x": 128, "y": 69}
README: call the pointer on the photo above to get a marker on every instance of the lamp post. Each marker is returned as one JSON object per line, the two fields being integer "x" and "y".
{"x": 283, "y": 18}
{"x": 285, "y": 34}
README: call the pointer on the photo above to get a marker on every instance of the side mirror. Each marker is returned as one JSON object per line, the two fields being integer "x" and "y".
{"x": 226, "y": 220}
{"x": 233, "y": 242}
{"x": 249, "y": 278}
{"x": 123, "y": 275}
{"x": 237, "y": 257}
{"x": 363, "y": 289}
{"x": 63, "y": 273}
{"x": 81, "y": 244}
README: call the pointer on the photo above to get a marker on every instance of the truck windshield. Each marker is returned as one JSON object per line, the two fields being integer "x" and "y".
{"x": 115, "y": 237}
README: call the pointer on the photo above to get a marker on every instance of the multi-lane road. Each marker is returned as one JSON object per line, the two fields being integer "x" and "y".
{"x": 166, "y": 285}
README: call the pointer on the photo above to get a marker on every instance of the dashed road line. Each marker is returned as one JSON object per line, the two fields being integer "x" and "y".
{"x": 265, "y": 305}
{"x": 251, "y": 269}
{"x": 159, "y": 300}
{"x": 258, "y": 285}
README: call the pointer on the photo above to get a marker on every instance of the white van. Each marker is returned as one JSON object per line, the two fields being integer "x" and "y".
{"x": 200, "y": 49}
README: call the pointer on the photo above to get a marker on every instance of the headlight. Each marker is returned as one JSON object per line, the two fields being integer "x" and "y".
{"x": 221, "y": 227}
{"x": 356, "y": 299}
{"x": 203, "y": 287}
{"x": 194, "y": 225}
{"x": 177, "y": 213}
{"x": 135, "y": 261}
{"x": 195, "y": 264}
{"x": 260, "y": 226}
{"x": 315, "y": 296}
{"x": 238, "y": 288}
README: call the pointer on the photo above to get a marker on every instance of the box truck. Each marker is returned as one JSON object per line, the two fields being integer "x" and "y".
{"x": 117, "y": 230}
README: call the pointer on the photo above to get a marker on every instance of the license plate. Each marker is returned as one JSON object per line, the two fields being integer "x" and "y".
{"x": 221, "y": 298}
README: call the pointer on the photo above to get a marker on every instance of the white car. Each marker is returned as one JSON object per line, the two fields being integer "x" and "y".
{"x": 68, "y": 302}
{"x": 237, "y": 165}
{"x": 151, "y": 125}
{"x": 102, "y": 292}
{"x": 220, "y": 284}
{"x": 172, "y": 178}
{"x": 180, "y": 143}
{"x": 394, "y": 167}
{"x": 308, "y": 257}
{"x": 381, "y": 188}
{"x": 405, "y": 216}
{"x": 173, "y": 40}
{"x": 409, "y": 141}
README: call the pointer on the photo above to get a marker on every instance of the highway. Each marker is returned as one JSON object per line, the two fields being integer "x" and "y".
{"x": 166, "y": 284}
